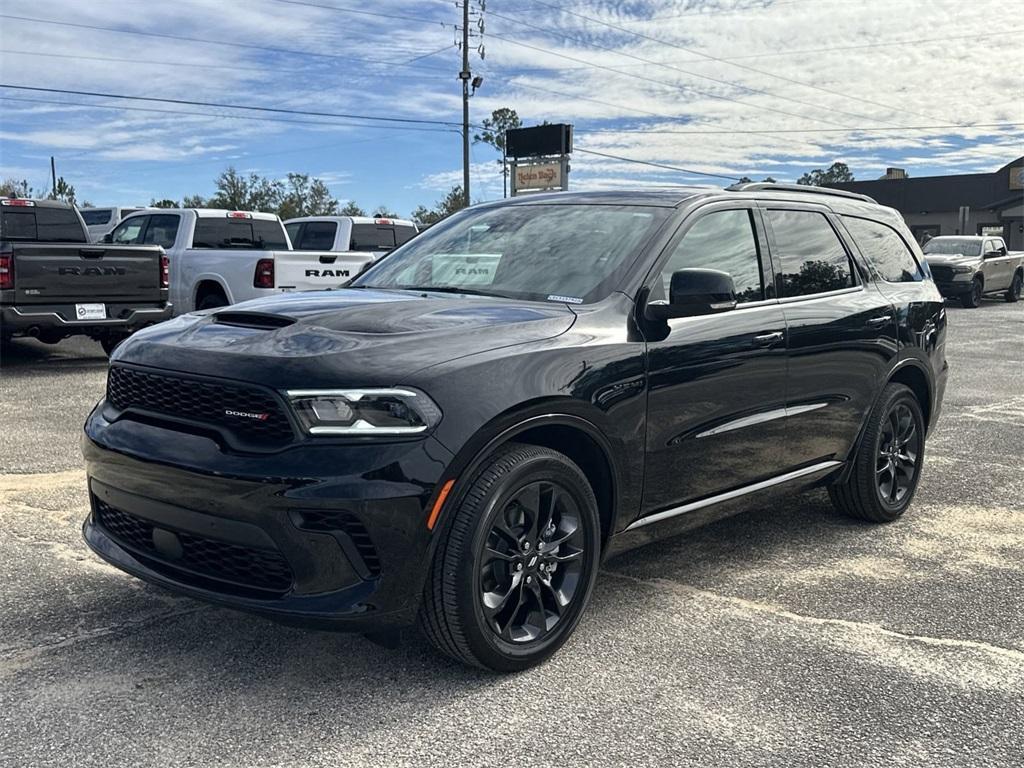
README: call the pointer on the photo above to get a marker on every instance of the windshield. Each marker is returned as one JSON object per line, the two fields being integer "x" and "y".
{"x": 953, "y": 245}
{"x": 569, "y": 253}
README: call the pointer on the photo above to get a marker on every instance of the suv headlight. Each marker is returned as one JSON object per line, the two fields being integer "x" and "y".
{"x": 367, "y": 412}
{"x": 962, "y": 270}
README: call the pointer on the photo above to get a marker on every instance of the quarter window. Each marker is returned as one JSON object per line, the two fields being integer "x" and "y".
{"x": 726, "y": 241}
{"x": 885, "y": 250}
{"x": 808, "y": 253}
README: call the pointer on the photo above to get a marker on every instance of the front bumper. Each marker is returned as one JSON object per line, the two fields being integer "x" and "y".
{"x": 60, "y": 319}
{"x": 327, "y": 535}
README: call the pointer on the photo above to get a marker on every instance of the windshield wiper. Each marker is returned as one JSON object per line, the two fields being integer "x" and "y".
{"x": 454, "y": 289}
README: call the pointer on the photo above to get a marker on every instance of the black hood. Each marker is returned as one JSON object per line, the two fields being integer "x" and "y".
{"x": 347, "y": 337}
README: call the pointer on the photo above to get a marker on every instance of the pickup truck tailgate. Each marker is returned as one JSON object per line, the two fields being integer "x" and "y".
{"x": 317, "y": 270}
{"x": 51, "y": 273}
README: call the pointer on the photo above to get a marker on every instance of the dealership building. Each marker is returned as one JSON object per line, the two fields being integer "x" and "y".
{"x": 970, "y": 204}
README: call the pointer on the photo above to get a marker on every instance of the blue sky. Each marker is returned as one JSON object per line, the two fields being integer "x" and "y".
{"x": 732, "y": 87}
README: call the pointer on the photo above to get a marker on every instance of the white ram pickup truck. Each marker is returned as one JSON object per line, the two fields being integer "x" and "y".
{"x": 968, "y": 267}
{"x": 361, "y": 239}
{"x": 218, "y": 257}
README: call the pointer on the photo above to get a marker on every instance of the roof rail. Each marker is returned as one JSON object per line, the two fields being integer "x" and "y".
{"x": 754, "y": 186}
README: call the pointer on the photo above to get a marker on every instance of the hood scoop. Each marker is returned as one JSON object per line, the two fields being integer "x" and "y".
{"x": 259, "y": 320}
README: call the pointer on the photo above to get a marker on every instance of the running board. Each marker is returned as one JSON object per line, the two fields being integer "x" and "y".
{"x": 695, "y": 505}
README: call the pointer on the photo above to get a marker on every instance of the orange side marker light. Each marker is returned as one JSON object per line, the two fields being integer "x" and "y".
{"x": 435, "y": 512}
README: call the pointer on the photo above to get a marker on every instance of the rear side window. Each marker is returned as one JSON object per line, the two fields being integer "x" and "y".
{"x": 129, "y": 231}
{"x": 252, "y": 234}
{"x": 808, "y": 254}
{"x": 885, "y": 249}
{"x": 379, "y": 237}
{"x": 96, "y": 216}
{"x": 162, "y": 230}
{"x": 722, "y": 240}
{"x": 316, "y": 236}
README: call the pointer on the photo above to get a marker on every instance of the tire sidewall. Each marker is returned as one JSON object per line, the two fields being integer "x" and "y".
{"x": 904, "y": 396}
{"x": 491, "y": 650}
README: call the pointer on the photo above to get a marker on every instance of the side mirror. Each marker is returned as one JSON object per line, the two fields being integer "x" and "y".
{"x": 994, "y": 254}
{"x": 108, "y": 238}
{"x": 695, "y": 292}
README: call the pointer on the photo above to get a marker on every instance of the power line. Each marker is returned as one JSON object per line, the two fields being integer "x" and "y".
{"x": 217, "y": 105}
{"x": 655, "y": 165}
{"x": 873, "y": 129}
{"x": 208, "y": 41}
{"x": 231, "y": 67}
{"x": 122, "y": 107}
{"x": 361, "y": 12}
{"x": 731, "y": 63}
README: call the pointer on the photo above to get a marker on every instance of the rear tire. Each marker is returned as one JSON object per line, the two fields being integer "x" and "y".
{"x": 1013, "y": 294}
{"x": 212, "y": 300}
{"x": 516, "y": 561}
{"x": 972, "y": 300}
{"x": 887, "y": 467}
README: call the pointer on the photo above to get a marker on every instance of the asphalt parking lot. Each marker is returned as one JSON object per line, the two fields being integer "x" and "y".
{"x": 784, "y": 636}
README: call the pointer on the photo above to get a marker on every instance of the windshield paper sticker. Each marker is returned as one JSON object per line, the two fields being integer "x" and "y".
{"x": 567, "y": 299}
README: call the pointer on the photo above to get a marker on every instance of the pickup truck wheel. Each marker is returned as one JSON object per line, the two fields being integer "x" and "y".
{"x": 109, "y": 343}
{"x": 972, "y": 300}
{"x": 888, "y": 463}
{"x": 1013, "y": 295}
{"x": 516, "y": 561}
{"x": 212, "y": 300}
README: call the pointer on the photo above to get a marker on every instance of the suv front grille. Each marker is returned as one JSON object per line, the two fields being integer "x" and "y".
{"x": 263, "y": 423}
{"x": 221, "y": 561}
{"x": 941, "y": 274}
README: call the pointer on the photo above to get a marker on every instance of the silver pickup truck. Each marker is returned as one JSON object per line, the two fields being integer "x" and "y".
{"x": 54, "y": 283}
{"x": 969, "y": 267}
{"x": 219, "y": 257}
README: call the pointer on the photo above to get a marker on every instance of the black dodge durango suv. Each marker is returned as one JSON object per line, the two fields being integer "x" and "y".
{"x": 459, "y": 437}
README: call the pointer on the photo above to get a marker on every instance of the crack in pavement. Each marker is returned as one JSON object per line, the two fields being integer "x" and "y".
{"x": 752, "y": 606}
{"x": 14, "y": 655}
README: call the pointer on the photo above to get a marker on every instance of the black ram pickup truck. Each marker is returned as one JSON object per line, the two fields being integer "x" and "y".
{"x": 54, "y": 283}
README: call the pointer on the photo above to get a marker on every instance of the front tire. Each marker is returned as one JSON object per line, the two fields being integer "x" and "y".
{"x": 1013, "y": 294}
{"x": 972, "y": 300}
{"x": 516, "y": 562}
{"x": 888, "y": 463}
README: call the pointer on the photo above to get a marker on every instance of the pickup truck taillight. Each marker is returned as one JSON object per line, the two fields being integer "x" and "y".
{"x": 165, "y": 271}
{"x": 6, "y": 270}
{"x": 264, "y": 276}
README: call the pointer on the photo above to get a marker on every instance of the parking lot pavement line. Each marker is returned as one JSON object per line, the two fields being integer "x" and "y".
{"x": 751, "y": 606}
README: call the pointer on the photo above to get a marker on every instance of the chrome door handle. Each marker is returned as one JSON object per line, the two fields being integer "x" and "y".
{"x": 879, "y": 320}
{"x": 769, "y": 338}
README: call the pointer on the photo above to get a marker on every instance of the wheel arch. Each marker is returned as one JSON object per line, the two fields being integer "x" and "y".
{"x": 206, "y": 283}
{"x": 911, "y": 373}
{"x": 550, "y": 425}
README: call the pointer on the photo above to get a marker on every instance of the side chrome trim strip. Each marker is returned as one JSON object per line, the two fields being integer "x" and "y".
{"x": 761, "y": 418}
{"x": 695, "y": 505}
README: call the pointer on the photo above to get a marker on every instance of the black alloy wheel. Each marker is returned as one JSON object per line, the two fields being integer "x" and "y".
{"x": 515, "y": 562}
{"x": 972, "y": 300}
{"x": 1013, "y": 294}
{"x": 882, "y": 477}
{"x": 531, "y": 567}
{"x": 899, "y": 445}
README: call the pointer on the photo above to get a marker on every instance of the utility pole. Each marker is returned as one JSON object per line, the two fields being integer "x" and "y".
{"x": 464, "y": 76}
{"x": 53, "y": 175}
{"x": 469, "y": 83}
